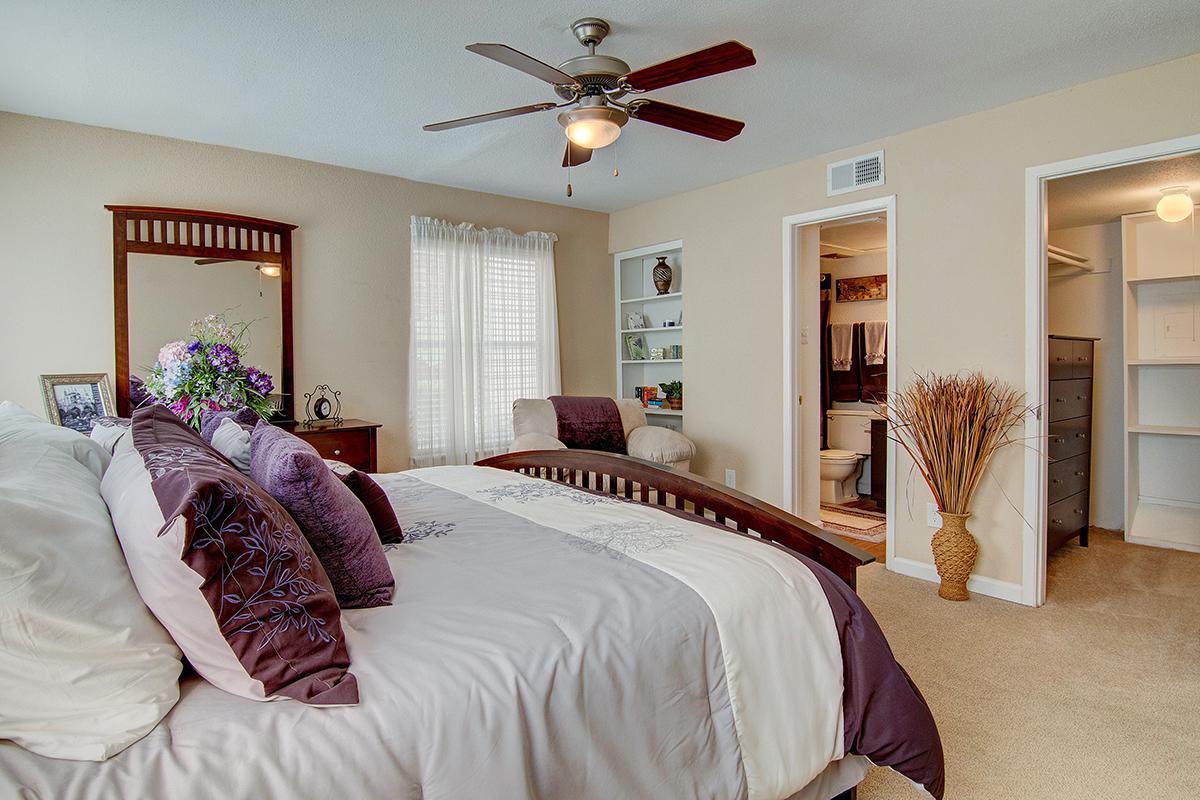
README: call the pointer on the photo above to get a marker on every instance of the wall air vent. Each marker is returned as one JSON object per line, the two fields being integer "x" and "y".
{"x": 860, "y": 172}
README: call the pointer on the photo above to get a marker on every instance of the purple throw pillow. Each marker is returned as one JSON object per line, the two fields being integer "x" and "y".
{"x": 211, "y": 420}
{"x": 336, "y": 524}
{"x": 376, "y": 501}
{"x": 225, "y": 569}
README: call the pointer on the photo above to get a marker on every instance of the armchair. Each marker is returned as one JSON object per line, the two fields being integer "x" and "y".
{"x": 536, "y": 428}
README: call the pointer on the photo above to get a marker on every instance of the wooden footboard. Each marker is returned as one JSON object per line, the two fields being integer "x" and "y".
{"x": 654, "y": 484}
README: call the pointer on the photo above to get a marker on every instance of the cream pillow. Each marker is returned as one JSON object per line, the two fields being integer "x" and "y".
{"x": 18, "y": 425}
{"x": 85, "y": 668}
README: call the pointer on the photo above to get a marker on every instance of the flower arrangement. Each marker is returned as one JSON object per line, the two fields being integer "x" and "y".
{"x": 207, "y": 373}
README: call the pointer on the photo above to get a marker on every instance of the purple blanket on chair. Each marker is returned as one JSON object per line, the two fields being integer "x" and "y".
{"x": 589, "y": 423}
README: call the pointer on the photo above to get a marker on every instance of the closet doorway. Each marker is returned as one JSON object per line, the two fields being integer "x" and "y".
{"x": 1113, "y": 293}
{"x": 839, "y": 352}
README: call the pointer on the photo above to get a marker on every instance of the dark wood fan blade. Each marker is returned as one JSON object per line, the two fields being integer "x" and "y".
{"x": 576, "y": 155}
{"x": 685, "y": 119}
{"x": 204, "y": 262}
{"x": 475, "y": 120}
{"x": 700, "y": 64}
{"x": 526, "y": 63}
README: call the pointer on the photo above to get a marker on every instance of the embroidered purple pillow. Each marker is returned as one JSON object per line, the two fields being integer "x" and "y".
{"x": 336, "y": 524}
{"x": 376, "y": 501}
{"x": 211, "y": 420}
{"x": 224, "y": 568}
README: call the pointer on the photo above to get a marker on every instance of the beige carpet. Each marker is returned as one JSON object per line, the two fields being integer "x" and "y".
{"x": 1094, "y": 695}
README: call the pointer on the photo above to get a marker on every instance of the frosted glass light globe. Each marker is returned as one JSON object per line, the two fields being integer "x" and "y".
{"x": 1175, "y": 205}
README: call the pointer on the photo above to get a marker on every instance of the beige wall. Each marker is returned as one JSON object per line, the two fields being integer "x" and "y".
{"x": 351, "y": 257}
{"x": 1089, "y": 304}
{"x": 960, "y": 261}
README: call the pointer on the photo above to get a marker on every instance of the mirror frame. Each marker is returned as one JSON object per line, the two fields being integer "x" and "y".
{"x": 197, "y": 234}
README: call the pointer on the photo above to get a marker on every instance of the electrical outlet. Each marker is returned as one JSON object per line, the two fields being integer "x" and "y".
{"x": 731, "y": 478}
{"x": 932, "y": 518}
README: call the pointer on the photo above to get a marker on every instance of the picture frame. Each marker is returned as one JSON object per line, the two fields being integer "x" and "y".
{"x": 77, "y": 400}
{"x": 635, "y": 347}
{"x": 635, "y": 320}
{"x": 656, "y": 354}
{"x": 866, "y": 287}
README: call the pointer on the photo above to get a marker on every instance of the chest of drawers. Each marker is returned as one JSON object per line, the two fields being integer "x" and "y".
{"x": 1069, "y": 446}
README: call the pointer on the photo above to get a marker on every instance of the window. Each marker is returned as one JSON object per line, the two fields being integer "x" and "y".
{"x": 484, "y": 333}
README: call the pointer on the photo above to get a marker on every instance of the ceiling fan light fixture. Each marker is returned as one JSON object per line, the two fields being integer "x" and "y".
{"x": 593, "y": 127}
{"x": 1175, "y": 204}
{"x": 270, "y": 270}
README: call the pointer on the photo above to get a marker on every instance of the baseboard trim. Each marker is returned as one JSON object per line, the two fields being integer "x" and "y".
{"x": 978, "y": 584}
{"x": 1169, "y": 545}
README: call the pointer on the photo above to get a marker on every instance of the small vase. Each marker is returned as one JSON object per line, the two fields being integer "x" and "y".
{"x": 662, "y": 275}
{"x": 954, "y": 553}
{"x": 675, "y": 403}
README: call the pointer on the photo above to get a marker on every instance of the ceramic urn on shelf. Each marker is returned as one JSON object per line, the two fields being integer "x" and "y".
{"x": 663, "y": 275}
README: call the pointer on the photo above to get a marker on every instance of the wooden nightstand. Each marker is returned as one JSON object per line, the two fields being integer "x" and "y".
{"x": 352, "y": 441}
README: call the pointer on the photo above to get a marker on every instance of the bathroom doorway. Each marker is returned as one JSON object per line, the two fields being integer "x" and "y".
{"x": 839, "y": 319}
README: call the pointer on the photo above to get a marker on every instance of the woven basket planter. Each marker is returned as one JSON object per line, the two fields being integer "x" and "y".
{"x": 954, "y": 553}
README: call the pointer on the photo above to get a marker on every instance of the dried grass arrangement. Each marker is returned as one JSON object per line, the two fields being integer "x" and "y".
{"x": 951, "y": 426}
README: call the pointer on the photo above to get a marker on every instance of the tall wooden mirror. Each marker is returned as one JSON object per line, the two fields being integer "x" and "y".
{"x": 173, "y": 265}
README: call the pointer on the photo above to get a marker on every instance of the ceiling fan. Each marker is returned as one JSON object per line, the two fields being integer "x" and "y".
{"x": 592, "y": 86}
{"x": 270, "y": 270}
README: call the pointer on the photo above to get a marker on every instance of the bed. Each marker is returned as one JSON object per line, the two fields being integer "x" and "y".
{"x": 566, "y": 624}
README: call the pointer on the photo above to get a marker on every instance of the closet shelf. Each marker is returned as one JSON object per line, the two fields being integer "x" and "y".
{"x": 664, "y": 412}
{"x": 652, "y": 361}
{"x": 1180, "y": 361}
{"x": 1061, "y": 257}
{"x": 1162, "y": 278}
{"x": 1166, "y": 430}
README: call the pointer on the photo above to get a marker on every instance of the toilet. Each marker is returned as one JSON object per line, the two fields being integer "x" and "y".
{"x": 849, "y": 437}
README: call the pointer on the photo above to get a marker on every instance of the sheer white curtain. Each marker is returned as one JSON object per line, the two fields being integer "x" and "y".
{"x": 484, "y": 333}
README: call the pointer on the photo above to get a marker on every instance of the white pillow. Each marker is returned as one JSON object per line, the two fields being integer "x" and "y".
{"x": 18, "y": 425}
{"x": 231, "y": 440}
{"x": 85, "y": 668}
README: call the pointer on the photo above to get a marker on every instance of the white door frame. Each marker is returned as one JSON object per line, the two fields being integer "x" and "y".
{"x": 791, "y": 405}
{"x": 1033, "y": 551}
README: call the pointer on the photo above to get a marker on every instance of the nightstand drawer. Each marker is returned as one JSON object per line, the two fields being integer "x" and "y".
{"x": 352, "y": 442}
{"x": 353, "y": 447}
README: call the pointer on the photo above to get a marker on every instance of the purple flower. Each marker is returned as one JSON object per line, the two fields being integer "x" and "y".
{"x": 223, "y": 357}
{"x": 194, "y": 346}
{"x": 259, "y": 381}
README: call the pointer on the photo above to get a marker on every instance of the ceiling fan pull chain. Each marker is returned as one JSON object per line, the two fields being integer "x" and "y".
{"x": 569, "y": 179}
{"x": 616, "y": 169}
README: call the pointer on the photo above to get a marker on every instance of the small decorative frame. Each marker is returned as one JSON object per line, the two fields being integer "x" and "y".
{"x": 322, "y": 406}
{"x": 76, "y": 401}
{"x": 867, "y": 287}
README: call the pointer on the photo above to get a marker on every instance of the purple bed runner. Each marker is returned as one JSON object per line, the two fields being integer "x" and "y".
{"x": 589, "y": 423}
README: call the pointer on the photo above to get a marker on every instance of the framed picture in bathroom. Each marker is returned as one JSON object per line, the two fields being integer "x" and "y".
{"x": 866, "y": 287}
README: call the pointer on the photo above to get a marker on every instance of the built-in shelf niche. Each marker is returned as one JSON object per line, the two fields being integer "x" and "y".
{"x": 1161, "y": 263}
{"x": 635, "y": 292}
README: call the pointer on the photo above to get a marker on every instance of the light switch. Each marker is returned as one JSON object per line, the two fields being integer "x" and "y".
{"x": 803, "y": 334}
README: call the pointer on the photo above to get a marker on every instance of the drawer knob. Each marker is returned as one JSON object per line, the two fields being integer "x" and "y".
{"x": 1079, "y": 511}
{"x": 1060, "y": 399}
{"x": 1057, "y": 521}
{"x": 1060, "y": 358}
{"x": 1080, "y": 397}
{"x": 1081, "y": 436}
{"x": 337, "y": 452}
{"x": 1056, "y": 481}
{"x": 1080, "y": 474}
